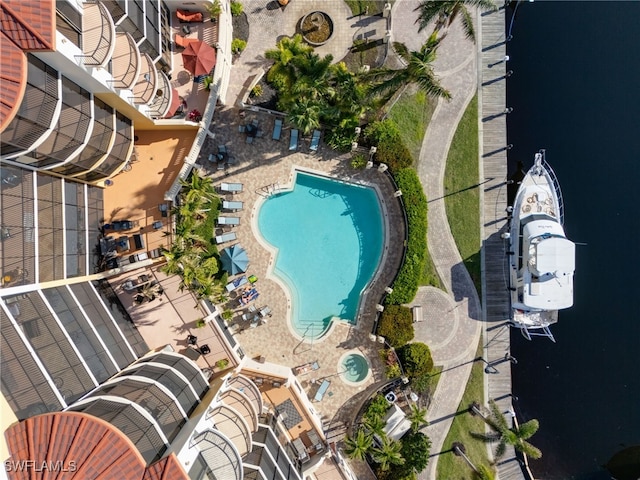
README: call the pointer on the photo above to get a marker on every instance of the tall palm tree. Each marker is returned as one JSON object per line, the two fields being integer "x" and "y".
{"x": 446, "y": 11}
{"x": 419, "y": 70}
{"x": 305, "y": 115}
{"x": 515, "y": 436}
{"x": 374, "y": 425}
{"x": 356, "y": 447}
{"x": 283, "y": 71}
{"x": 388, "y": 453}
{"x": 417, "y": 417}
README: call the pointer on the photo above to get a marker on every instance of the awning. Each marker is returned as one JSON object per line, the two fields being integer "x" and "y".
{"x": 175, "y": 103}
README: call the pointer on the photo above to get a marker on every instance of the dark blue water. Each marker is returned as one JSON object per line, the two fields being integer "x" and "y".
{"x": 576, "y": 92}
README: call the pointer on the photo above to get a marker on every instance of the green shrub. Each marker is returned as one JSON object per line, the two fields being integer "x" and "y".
{"x": 421, "y": 383}
{"x": 236, "y": 8}
{"x": 396, "y": 325}
{"x": 415, "y": 451}
{"x": 222, "y": 363}
{"x": 215, "y": 8}
{"x": 377, "y": 408}
{"x": 238, "y": 45}
{"x": 339, "y": 139}
{"x": 391, "y": 149}
{"x": 256, "y": 91}
{"x": 416, "y": 359}
{"x": 208, "y": 80}
{"x": 415, "y": 202}
{"x": 359, "y": 161}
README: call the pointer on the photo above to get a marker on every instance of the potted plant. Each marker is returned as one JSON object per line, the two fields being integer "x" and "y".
{"x": 222, "y": 364}
{"x": 200, "y": 323}
{"x": 227, "y": 315}
{"x": 195, "y": 115}
{"x": 215, "y": 9}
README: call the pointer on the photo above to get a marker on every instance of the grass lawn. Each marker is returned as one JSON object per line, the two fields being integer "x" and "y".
{"x": 368, "y": 7}
{"x": 462, "y": 190}
{"x": 450, "y": 466}
{"x": 412, "y": 113}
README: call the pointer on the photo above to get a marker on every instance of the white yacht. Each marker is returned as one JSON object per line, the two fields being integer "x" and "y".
{"x": 542, "y": 259}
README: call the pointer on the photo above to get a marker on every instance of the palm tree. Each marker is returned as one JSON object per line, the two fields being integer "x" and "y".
{"x": 419, "y": 70}
{"x": 388, "y": 453}
{"x": 357, "y": 447}
{"x": 446, "y": 11}
{"x": 417, "y": 417}
{"x": 374, "y": 425}
{"x": 515, "y": 436}
{"x": 305, "y": 115}
{"x": 283, "y": 72}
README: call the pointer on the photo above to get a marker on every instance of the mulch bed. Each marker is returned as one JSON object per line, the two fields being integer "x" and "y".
{"x": 240, "y": 27}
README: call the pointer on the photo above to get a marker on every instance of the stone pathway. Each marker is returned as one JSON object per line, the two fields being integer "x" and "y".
{"x": 452, "y": 320}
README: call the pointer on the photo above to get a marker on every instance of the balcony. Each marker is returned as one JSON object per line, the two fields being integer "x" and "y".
{"x": 98, "y": 35}
{"x": 162, "y": 101}
{"x": 126, "y": 61}
{"x": 147, "y": 81}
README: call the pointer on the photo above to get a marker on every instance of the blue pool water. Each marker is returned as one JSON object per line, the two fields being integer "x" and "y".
{"x": 354, "y": 368}
{"x": 329, "y": 237}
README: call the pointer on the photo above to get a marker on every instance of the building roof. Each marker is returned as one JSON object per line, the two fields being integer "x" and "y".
{"x": 24, "y": 26}
{"x": 83, "y": 446}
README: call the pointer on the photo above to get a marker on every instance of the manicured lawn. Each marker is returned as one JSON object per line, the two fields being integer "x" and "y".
{"x": 462, "y": 191}
{"x": 370, "y": 7}
{"x": 449, "y": 465}
{"x": 412, "y": 113}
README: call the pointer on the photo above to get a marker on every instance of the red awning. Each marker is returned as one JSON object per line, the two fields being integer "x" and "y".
{"x": 175, "y": 103}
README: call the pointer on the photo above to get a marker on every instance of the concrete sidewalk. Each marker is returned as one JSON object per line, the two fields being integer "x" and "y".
{"x": 453, "y": 319}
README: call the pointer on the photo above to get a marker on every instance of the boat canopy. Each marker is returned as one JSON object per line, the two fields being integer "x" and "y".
{"x": 555, "y": 255}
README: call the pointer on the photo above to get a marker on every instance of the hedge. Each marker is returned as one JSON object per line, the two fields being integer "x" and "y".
{"x": 415, "y": 202}
{"x": 416, "y": 359}
{"x": 396, "y": 325}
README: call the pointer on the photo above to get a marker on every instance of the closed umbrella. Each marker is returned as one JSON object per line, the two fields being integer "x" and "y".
{"x": 199, "y": 58}
{"x": 234, "y": 259}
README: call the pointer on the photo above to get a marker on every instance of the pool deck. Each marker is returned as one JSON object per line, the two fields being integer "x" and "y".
{"x": 261, "y": 165}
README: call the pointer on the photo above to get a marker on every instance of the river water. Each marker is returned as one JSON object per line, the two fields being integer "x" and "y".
{"x": 575, "y": 91}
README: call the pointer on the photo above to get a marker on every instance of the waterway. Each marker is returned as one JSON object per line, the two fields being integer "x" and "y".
{"x": 575, "y": 91}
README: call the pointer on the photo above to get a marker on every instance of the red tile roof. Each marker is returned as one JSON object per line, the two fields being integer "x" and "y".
{"x": 82, "y": 445}
{"x": 25, "y": 25}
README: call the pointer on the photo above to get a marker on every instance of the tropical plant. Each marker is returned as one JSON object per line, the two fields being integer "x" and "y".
{"x": 236, "y": 8}
{"x": 374, "y": 426}
{"x": 359, "y": 161}
{"x": 222, "y": 363}
{"x": 416, "y": 359}
{"x": 214, "y": 8}
{"x": 238, "y": 45}
{"x": 208, "y": 80}
{"x": 377, "y": 407}
{"x": 396, "y": 325}
{"x": 419, "y": 70}
{"x": 415, "y": 451}
{"x": 358, "y": 446}
{"x": 200, "y": 323}
{"x": 418, "y": 418}
{"x": 388, "y": 453}
{"x": 194, "y": 115}
{"x": 485, "y": 472}
{"x": 515, "y": 436}
{"x": 151, "y": 290}
{"x": 446, "y": 11}
{"x": 256, "y": 91}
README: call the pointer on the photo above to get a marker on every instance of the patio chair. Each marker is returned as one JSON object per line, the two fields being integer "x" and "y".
{"x": 181, "y": 41}
{"x": 185, "y": 16}
{"x": 322, "y": 390}
{"x": 222, "y": 149}
{"x": 293, "y": 141}
{"x": 241, "y": 128}
{"x": 248, "y": 139}
{"x": 231, "y": 187}
{"x": 226, "y": 237}
{"x": 277, "y": 129}
{"x": 232, "y": 221}
{"x": 237, "y": 283}
{"x": 315, "y": 141}
{"x": 230, "y": 205}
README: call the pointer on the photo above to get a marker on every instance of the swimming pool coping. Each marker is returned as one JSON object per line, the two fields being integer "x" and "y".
{"x": 359, "y": 383}
{"x": 273, "y": 251}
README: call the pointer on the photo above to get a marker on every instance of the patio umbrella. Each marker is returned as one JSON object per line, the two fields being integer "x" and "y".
{"x": 234, "y": 259}
{"x": 199, "y": 58}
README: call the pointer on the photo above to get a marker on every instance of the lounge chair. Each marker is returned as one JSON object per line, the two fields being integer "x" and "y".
{"x": 185, "y": 16}
{"x": 222, "y": 149}
{"x": 237, "y": 283}
{"x": 226, "y": 237}
{"x": 183, "y": 42}
{"x": 228, "y": 221}
{"x": 315, "y": 141}
{"x": 322, "y": 390}
{"x": 248, "y": 296}
{"x": 293, "y": 141}
{"x": 277, "y": 129}
{"x": 235, "y": 206}
{"x": 249, "y": 139}
{"x": 231, "y": 187}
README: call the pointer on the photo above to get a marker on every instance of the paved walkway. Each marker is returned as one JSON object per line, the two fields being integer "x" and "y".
{"x": 452, "y": 319}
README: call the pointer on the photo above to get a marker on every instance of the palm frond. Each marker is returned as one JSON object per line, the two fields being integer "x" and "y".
{"x": 528, "y": 429}
{"x": 529, "y": 450}
{"x": 467, "y": 24}
{"x": 402, "y": 50}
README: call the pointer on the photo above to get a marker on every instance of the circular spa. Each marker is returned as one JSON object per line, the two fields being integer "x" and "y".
{"x": 327, "y": 237}
{"x": 354, "y": 368}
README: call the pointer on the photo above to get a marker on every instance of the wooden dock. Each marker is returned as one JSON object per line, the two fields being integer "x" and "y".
{"x": 493, "y": 73}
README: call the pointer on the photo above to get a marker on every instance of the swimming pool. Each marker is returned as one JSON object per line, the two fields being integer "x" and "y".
{"x": 329, "y": 236}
